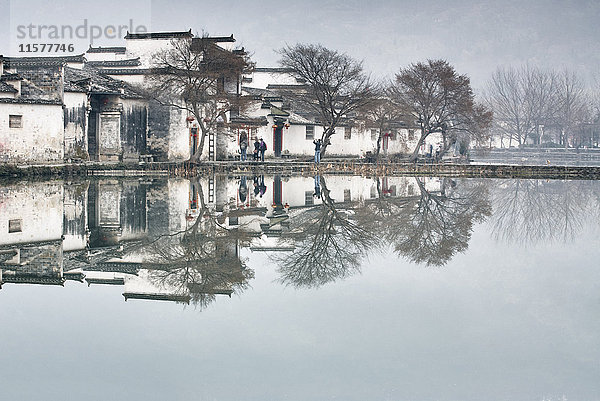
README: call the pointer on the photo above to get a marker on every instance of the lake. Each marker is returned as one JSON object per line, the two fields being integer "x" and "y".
{"x": 300, "y": 288}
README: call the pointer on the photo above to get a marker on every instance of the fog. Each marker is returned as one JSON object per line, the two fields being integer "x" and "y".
{"x": 386, "y": 34}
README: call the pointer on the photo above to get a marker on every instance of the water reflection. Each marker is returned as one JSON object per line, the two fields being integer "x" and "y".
{"x": 184, "y": 241}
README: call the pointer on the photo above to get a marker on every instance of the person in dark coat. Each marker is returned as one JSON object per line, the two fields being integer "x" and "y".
{"x": 317, "y": 150}
{"x": 256, "y": 149}
{"x": 262, "y": 148}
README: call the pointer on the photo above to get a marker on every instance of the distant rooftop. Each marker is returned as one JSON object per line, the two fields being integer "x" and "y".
{"x": 42, "y": 61}
{"x": 160, "y": 35}
{"x": 6, "y": 88}
{"x": 100, "y": 49}
{"x": 273, "y": 69}
{"x": 134, "y": 62}
{"x": 20, "y": 100}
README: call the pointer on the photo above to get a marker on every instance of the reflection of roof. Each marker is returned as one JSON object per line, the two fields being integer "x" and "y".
{"x": 158, "y": 297}
{"x": 33, "y": 279}
{"x": 199, "y": 289}
{"x": 106, "y": 281}
{"x": 115, "y": 267}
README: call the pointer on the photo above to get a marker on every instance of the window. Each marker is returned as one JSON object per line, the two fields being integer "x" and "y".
{"x": 373, "y": 191}
{"x": 347, "y": 197}
{"x": 373, "y": 134}
{"x": 347, "y": 132}
{"x": 308, "y": 198}
{"x": 310, "y": 132}
{"x": 14, "y": 226}
{"x": 411, "y": 134}
{"x": 15, "y": 121}
{"x": 392, "y": 135}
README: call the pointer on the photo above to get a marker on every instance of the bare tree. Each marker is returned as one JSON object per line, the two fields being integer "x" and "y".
{"x": 441, "y": 100}
{"x": 193, "y": 75}
{"x": 572, "y": 106}
{"x": 529, "y": 102}
{"x": 336, "y": 84}
{"x": 383, "y": 114}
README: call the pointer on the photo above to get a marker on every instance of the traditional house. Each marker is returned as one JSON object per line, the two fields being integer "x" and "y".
{"x": 60, "y": 108}
{"x": 289, "y": 128}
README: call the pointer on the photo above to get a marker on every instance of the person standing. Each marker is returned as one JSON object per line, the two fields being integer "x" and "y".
{"x": 317, "y": 151}
{"x": 243, "y": 149}
{"x": 256, "y": 149}
{"x": 262, "y": 148}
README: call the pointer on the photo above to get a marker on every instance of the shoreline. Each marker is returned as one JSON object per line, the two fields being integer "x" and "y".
{"x": 331, "y": 167}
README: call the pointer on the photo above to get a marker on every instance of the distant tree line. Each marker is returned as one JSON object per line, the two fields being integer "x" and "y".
{"x": 535, "y": 106}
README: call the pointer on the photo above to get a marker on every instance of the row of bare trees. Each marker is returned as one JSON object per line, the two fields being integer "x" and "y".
{"x": 535, "y": 105}
{"x": 191, "y": 75}
{"x": 430, "y": 95}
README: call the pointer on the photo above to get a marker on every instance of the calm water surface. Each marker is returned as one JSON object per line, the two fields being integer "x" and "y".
{"x": 300, "y": 288}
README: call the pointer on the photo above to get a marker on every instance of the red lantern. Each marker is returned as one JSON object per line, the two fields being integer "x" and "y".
{"x": 189, "y": 119}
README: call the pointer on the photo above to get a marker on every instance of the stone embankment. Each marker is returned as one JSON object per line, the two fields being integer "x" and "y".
{"x": 344, "y": 167}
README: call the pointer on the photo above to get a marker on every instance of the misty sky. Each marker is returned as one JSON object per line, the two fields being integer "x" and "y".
{"x": 475, "y": 37}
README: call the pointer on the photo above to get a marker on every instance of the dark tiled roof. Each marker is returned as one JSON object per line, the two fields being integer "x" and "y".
{"x": 285, "y": 87}
{"x": 33, "y": 279}
{"x": 158, "y": 297}
{"x": 273, "y": 70}
{"x": 134, "y": 62}
{"x": 100, "y": 49}
{"x": 159, "y": 35}
{"x": 220, "y": 39}
{"x": 244, "y": 120}
{"x": 11, "y": 77}
{"x": 126, "y": 71}
{"x": 42, "y": 61}
{"x": 19, "y": 100}
{"x": 6, "y": 88}
{"x": 100, "y": 83}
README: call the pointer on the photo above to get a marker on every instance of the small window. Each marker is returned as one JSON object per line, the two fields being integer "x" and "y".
{"x": 347, "y": 132}
{"x": 411, "y": 134}
{"x": 15, "y": 121}
{"x": 308, "y": 198}
{"x": 373, "y": 134}
{"x": 14, "y": 226}
{"x": 347, "y": 197}
{"x": 310, "y": 132}
{"x": 234, "y": 220}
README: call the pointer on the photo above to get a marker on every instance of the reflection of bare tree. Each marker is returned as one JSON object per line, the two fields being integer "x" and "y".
{"x": 531, "y": 211}
{"x": 435, "y": 226}
{"x": 201, "y": 261}
{"x": 431, "y": 226}
{"x": 329, "y": 244}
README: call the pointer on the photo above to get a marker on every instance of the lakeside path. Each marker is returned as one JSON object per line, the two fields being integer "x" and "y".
{"x": 287, "y": 167}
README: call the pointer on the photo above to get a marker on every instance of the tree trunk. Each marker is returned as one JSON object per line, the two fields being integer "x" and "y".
{"x": 415, "y": 153}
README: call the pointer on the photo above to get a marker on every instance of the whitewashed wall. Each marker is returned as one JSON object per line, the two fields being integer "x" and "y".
{"x": 41, "y": 139}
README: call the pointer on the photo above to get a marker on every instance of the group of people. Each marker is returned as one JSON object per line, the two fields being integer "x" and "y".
{"x": 260, "y": 148}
